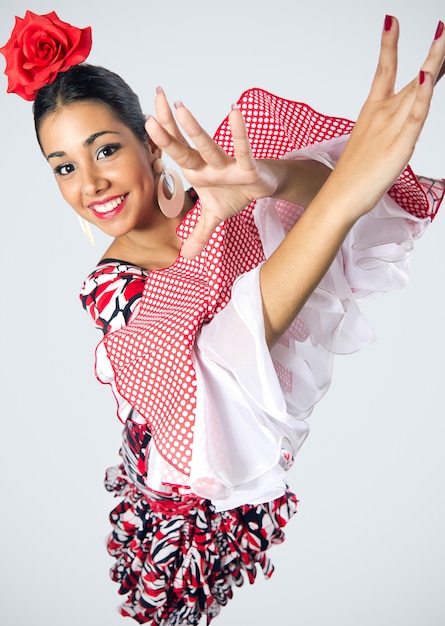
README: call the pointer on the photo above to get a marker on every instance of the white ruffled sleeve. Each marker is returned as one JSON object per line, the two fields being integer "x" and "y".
{"x": 252, "y": 403}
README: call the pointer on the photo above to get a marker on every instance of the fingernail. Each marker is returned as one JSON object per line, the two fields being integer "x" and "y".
{"x": 421, "y": 77}
{"x": 178, "y": 104}
{"x": 234, "y": 107}
{"x": 159, "y": 90}
{"x": 388, "y": 22}
{"x": 439, "y": 31}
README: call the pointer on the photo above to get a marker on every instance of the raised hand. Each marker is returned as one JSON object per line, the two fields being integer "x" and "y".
{"x": 225, "y": 184}
{"x": 389, "y": 124}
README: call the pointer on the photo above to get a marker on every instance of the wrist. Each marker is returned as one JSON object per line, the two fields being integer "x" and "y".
{"x": 299, "y": 180}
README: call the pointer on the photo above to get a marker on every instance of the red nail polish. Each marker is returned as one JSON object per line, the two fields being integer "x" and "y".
{"x": 421, "y": 77}
{"x": 388, "y": 22}
{"x": 439, "y": 31}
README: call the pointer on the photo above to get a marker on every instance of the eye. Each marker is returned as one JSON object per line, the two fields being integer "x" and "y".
{"x": 64, "y": 169}
{"x": 108, "y": 150}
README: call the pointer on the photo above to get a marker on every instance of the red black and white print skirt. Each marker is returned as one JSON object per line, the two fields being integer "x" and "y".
{"x": 177, "y": 559}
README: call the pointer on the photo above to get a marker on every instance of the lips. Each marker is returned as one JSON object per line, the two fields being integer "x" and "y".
{"x": 109, "y": 208}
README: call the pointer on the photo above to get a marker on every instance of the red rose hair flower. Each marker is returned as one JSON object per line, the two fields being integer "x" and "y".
{"x": 39, "y": 48}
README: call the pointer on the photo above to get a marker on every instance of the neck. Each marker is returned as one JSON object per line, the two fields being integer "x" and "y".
{"x": 151, "y": 247}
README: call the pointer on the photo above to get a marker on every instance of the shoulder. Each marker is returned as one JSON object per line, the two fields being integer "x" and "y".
{"x": 110, "y": 293}
{"x": 111, "y": 270}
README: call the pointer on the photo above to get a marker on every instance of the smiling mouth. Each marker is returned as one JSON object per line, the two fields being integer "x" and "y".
{"x": 108, "y": 207}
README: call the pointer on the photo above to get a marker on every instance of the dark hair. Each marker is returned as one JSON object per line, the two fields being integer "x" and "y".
{"x": 93, "y": 83}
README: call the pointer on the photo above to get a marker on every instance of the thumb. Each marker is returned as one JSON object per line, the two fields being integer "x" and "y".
{"x": 200, "y": 235}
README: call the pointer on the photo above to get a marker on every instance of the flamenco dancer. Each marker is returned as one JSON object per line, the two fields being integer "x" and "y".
{"x": 221, "y": 308}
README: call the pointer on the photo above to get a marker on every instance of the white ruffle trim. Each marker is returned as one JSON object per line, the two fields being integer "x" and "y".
{"x": 254, "y": 403}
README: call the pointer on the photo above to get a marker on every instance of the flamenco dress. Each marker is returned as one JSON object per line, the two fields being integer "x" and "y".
{"x": 185, "y": 355}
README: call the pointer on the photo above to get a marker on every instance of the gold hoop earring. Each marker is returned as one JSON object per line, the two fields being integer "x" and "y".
{"x": 86, "y": 229}
{"x": 170, "y": 190}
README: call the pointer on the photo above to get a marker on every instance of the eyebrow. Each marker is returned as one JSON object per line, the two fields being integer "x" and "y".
{"x": 90, "y": 140}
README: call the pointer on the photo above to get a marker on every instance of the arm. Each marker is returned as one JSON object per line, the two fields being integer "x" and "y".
{"x": 380, "y": 145}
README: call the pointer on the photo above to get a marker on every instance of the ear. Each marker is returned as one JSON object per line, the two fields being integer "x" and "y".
{"x": 154, "y": 151}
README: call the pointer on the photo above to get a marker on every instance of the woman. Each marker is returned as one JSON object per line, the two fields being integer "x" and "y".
{"x": 176, "y": 552}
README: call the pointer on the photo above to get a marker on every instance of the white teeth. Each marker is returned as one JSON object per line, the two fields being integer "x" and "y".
{"x": 108, "y": 206}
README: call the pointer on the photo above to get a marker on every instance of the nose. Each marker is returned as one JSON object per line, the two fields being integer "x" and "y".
{"x": 93, "y": 181}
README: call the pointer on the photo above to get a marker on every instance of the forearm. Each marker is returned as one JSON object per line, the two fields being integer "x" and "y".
{"x": 296, "y": 267}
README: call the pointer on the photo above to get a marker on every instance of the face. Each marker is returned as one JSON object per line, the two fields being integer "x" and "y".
{"x": 103, "y": 171}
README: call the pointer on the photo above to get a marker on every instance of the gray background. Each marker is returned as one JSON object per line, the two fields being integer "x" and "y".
{"x": 367, "y": 546}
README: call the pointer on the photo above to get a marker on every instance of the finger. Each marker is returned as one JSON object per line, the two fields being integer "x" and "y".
{"x": 419, "y": 110}
{"x": 434, "y": 63}
{"x": 183, "y": 154}
{"x": 441, "y": 72}
{"x": 210, "y": 152}
{"x": 385, "y": 76}
{"x": 199, "y": 237}
{"x": 241, "y": 144}
{"x": 165, "y": 116}
{"x": 158, "y": 133}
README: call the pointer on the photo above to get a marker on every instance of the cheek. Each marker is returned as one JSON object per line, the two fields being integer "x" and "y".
{"x": 151, "y": 183}
{"x": 70, "y": 195}
{"x": 142, "y": 171}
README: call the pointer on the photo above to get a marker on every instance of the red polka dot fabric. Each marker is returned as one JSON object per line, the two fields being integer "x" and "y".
{"x": 276, "y": 126}
{"x": 152, "y": 356}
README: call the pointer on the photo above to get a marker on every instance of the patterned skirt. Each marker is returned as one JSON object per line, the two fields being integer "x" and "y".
{"x": 176, "y": 558}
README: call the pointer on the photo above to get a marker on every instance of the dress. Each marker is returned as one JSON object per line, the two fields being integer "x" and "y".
{"x": 184, "y": 352}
